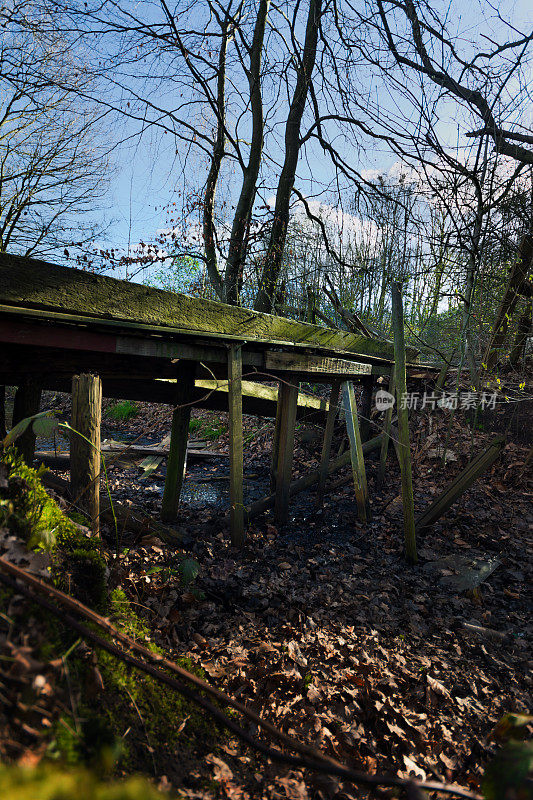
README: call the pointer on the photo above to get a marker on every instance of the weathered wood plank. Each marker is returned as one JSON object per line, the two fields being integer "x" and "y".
{"x": 404, "y": 447}
{"x": 321, "y": 365}
{"x": 85, "y": 446}
{"x": 236, "y": 467}
{"x": 177, "y": 458}
{"x": 261, "y": 392}
{"x": 460, "y": 484}
{"x": 328, "y": 438}
{"x": 356, "y": 451}
{"x": 38, "y": 284}
{"x": 287, "y": 399}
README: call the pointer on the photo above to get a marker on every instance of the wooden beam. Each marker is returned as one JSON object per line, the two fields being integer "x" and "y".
{"x": 328, "y": 438}
{"x": 404, "y": 447}
{"x": 288, "y": 397}
{"x": 260, "y": 392}
{"x": 236, "y": 468}
{"x": 26, "y": 404}
{"x": 179, "y": 435}
{"x": 319, "y": 365}
{"x": 356, "y": 451}
{"x": 462, "y": 482}
{"x": 85, "y": 446}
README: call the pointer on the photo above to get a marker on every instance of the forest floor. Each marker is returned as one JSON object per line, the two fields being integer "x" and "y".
{"x": 321, "y": 626}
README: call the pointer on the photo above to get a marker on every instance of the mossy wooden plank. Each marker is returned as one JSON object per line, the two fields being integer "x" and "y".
{"x": 257, "y": 390}
{"x": 39, "y": 284}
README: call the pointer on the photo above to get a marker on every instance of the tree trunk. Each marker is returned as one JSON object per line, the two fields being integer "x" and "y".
{"x": 210, "y": 248}
{"x": 265, "y": 296}
{"x": 524, "y": 327}
{"x": 241, "y": 220}
{"x": 517, "y": 279}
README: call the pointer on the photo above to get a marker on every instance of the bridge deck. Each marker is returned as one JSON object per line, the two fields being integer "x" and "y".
{"x": 56, "y": 322}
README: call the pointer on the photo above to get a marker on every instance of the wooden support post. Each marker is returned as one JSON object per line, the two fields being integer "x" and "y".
{"x": 85, "y": 446}
{"x": 236, "y": 469}
{"x": 287, "y": 398}
{"x": 275, "y": 447}
{"x": 386, "y": 432}
{"x": 328, "y": 437}
{"x": 177, "y": 457}
{"x": 306, "y": 481}
{"x": 404, "y": 448}
{"x": 462, "y": 482}
{"x": 27, "y": 402}
{"x": 356, "y": 451}
{"x": 366, "y": 406}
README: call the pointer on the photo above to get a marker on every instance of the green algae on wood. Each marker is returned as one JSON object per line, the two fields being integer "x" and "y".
{"x": 39, "y": 284}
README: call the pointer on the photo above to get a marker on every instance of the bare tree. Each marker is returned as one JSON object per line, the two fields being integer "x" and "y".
{"x": 53, "y": 167}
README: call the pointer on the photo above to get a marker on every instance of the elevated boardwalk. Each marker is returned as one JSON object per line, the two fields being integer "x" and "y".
{"x": 147, "y": 344}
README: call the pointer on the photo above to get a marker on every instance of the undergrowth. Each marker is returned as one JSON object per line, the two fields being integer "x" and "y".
{"x": 123, "y": 411}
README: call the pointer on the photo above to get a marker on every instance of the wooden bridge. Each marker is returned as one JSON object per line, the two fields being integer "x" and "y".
{"x": 132, "y": 341}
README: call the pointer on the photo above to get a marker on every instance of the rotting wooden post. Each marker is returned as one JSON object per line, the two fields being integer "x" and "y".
{"x": 236, "y": 470}
{"x": 366, "y": 406}
{"x": 85, "y": 448}
{"x": 26, "y": 404}
{"x": 275, "y": 446}
{"x": 404, "y": 448}
{"x": 328, "y": 437}
{"x": 177, "y": 457}
{"x": 288, "y": 400}
{"x": 386, "y": 431}
{"x": 356, "y": 451}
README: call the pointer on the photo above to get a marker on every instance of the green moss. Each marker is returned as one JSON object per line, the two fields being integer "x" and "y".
{"x": 142, "y": 704}
{"x": 54, "y": 783}
{"x": 76, "y": 561}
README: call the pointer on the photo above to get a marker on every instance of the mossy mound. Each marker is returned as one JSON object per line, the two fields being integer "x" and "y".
{"x": 78, "y": 566}
{"x": 122, "y": 716}
{"x": 54, "y": 783}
